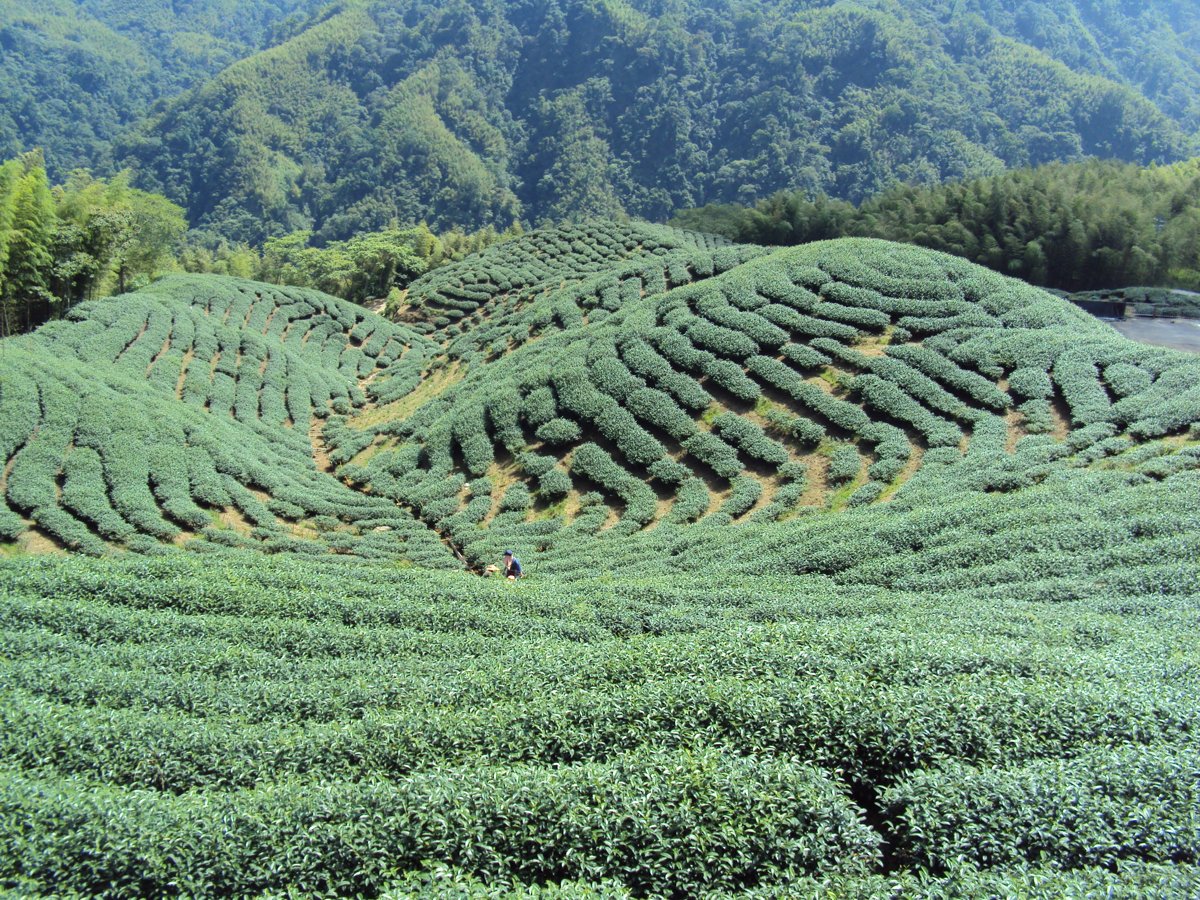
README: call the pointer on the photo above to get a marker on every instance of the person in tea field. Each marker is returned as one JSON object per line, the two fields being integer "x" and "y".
{"x": 512, "y": 567}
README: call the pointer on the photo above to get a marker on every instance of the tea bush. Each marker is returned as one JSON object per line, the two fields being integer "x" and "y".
{"x": 790, "y": 726}
{"x": 640, "y": 362}
{"x": 738, "y": 667}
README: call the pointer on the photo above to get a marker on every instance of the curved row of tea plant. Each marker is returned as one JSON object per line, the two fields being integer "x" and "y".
{"x": 549, "y": 256}
{"x": 816, "y": 378}
{"x": 183, "y": 412}
{"x": 776, "y": 386}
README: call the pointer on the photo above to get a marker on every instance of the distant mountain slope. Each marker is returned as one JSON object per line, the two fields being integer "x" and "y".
{"x": 475, "y": 112}
{"x": 73, "y": 73}
{"x": 1153, "y": 46}
{"x": 614, "y": 393}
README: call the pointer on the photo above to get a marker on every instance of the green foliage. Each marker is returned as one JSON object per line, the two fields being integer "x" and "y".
{"x": 900, "y": 357}
{"x": 110, "y": 236}
{"x": 605, "y": 729}
{"x": 27, "y": 223}
{"x": 1113, "y": 800}
{"x": 364, "y": 267}
{"x": 738, "y": 668}
{"x": 1077, "y": 227}
{"x": 481, "y": 114}
{"x": 596, "y": 464}
{"x": 76, "y": 73}
{"x": 844, "y": 464}
{"x": 165, "y": 410}
{"x": 559, "y": 431}
{"x": 84, "y": 239}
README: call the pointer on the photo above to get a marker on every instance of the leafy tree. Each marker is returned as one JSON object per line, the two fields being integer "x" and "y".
{"x": 29, "y": 256}
{"x": 85, "y": 238}
{"x": 1074, "y": 227}
{"x": 364, "y": 267}
{"x": 10, "y": 174}
{"x": 111, "y": 235}
{"x": 157, "y": 227}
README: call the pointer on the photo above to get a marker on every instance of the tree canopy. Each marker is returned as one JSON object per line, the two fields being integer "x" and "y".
{"x": 85, "y": 238}
{"x": 1073, "y": 227}
{"x": 474, "y": 112}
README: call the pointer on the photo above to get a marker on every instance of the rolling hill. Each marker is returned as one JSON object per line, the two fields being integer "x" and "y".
{"x": 475, "y": 113}
{"x": 854, "y": 568}
{"x": 596, "y": 380}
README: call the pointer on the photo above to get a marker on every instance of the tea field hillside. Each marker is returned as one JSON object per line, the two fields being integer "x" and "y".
{"x": 854, "y": 570}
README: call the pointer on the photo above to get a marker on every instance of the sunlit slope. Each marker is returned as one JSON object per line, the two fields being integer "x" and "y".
{"x": 182, "y": 415}
{"x": 477, "y": 295}
{"x": 616, "y": 396}
{"x": 812, "y": 380}
{"x": 863, "y": 570}
{"x": 478, "y": 113}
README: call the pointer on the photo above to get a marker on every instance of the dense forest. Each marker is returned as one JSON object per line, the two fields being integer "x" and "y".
{"x": 304, "y": 141}
{"x": 1074, "y": 227}
{"x": 474, "y": 112}
{"x": 74, "y": 73}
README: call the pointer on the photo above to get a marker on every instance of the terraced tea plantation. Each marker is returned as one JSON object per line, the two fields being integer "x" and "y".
{"x": 719, "y": 385}
{"x": 182, "y": 415}
{"x": 853, "y": 570}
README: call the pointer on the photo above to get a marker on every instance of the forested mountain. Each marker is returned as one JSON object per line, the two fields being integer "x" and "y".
{"x": 474, "y": 112}
{"x": 73, "y": 73}
{"x": 1152, "y": 45}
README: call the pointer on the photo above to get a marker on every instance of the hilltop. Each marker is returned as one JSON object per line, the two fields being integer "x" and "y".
{"x": 840, "y": 557}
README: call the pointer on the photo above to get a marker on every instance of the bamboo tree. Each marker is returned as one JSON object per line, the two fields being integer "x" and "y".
{"x": 27, "y": 268}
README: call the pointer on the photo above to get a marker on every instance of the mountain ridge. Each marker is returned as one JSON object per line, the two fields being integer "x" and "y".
{"x": 479, "y": 113}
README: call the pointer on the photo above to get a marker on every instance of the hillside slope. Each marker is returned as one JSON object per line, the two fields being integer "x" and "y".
{"x": 725, "y": 384}
{"x": 864, "y": 570}
{"x": 476, "y": 113}
{"x": 246, "y": 725}
{"x": 604, "y": 391}
{"x": 74, "y": 73}
{"x": 183, "y": 412}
